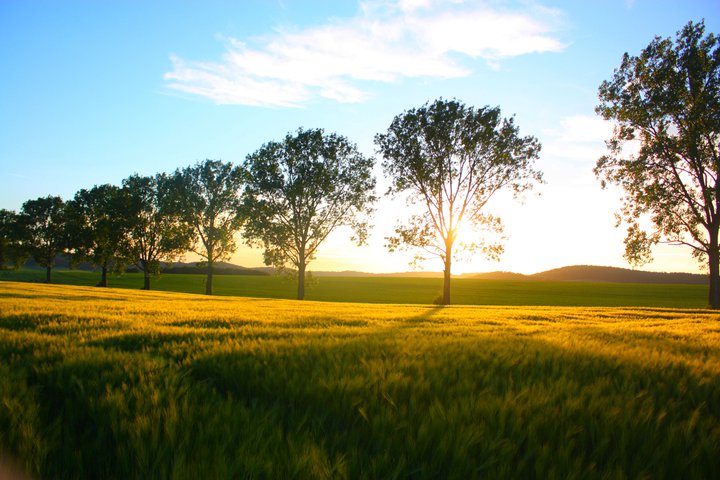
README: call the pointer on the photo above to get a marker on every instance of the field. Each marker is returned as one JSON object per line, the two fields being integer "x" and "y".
{"x": 465, "y": 291}
{"x": 117, "y": 383}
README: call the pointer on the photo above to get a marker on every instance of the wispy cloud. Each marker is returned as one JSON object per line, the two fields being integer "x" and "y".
{"x": 580, "y": 137}
{"x": 385, "y": 42}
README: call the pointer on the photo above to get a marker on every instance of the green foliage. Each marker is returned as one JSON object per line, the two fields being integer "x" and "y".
{"x": 300, "y": 190}
{"x": 42, "y": 230}
{"x": 97, "y": 227}
{"x": 666, "y": 100}
{"x": 155, "y": 230}
{"x": 112, "y": 384}
{"x": 451, "y": 159}
{"x": 206, "y": 197}
{"x": 11, "y": 248}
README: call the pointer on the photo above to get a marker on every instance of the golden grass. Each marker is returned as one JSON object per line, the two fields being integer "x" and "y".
{"x": 644, "y": 334}
{"x": 316, "y": 389}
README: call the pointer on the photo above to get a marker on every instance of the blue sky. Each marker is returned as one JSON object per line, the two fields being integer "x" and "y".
{"x": 93, "y": 91}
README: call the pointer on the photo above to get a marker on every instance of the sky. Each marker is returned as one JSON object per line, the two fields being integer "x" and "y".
{"x": 94, "y": 91}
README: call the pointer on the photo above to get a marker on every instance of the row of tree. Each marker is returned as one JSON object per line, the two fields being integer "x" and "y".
{"x": 448, "y": 159}
{"x": 287, "y": 198}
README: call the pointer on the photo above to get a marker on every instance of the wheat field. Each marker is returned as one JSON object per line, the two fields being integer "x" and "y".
{"x": 98, "y": 383}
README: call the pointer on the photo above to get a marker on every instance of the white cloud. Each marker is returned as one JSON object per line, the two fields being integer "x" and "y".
{"x": 580, "y": 137}
{"x": 385, "y": 42}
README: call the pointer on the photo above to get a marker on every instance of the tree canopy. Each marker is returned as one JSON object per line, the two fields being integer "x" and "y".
{"x": 206, "y": 197}
{"x": 155, "y": 231}
{"x": 451, "y": 159}
{"x": 11, "y": 251}
{"x": 42, "y": 230}
{"x": 97, "y": 226}
{"x": 665, "y": 103}
{"x": 300, "y": 190}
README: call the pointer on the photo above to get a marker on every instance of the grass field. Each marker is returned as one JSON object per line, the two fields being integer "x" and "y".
{"x": 465, "y": 291}
{"x": 115, "y": 383}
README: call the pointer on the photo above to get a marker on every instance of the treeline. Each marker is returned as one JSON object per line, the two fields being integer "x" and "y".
{"x": 286, "y": 198}
{"x": 139, "y": 223}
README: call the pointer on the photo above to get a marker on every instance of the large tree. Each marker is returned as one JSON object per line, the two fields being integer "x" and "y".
{"x": 450, "y": 159}
{"x": 155, "y": 232}
{"x": 42, "y": 230}
{"x": 11, "y": 251}
{"x": 207, "y": 198}
{"x": 300, "y": 190}
{"x": 664, "y": 150}
{"x": 97, "y": 228}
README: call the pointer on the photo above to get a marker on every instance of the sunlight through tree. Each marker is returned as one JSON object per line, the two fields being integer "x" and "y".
{"x": 451, "y": 159}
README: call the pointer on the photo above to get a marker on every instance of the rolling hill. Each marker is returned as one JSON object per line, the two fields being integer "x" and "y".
{"x": 592, "y": 273}
{"x": 574, "y": 273}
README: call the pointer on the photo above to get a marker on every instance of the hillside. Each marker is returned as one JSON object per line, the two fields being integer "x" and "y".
{"x": 589, "y": 273}
{"x": 62, "y": 262}
{"x": 574, "y": 273}
{"x": 592, "y": 273}
{"x": 221, "y": 268}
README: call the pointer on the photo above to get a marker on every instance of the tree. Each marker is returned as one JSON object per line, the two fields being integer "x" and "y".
{"x": 11, "y": 250}
{"x": 155, "y": 231}
{"x": 300, "y": 190}
{"x": 207, "y": 198}
{"x": 97, "y": 228}
{"x": 450, "y": 159}
{"x": 667, "y": 102}
{"x": 42, "y": 230}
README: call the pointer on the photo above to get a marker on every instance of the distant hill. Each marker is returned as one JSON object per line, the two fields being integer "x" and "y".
{"x": 574, "y": 273}
{"x": 220, "y": 268}
{"x": 355, "y": 273}
{"x": 351, "y": 273}
{"x": 591, "y": 273}
{"x": 61, "y": 261}
{"x": 497, "y": 276}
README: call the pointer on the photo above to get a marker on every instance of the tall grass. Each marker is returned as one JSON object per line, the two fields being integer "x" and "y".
{"x": 125, "y": 384}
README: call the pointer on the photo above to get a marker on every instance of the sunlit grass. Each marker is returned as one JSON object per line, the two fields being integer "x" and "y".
{"x": 126, "y": 384}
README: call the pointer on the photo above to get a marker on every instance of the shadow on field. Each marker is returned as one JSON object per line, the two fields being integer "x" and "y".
{"x": 462, "y": 407}
{"x": 402, "y": 400}
{"x": 427, "y": 315}
{"x": 21, "y": 322}
{"x": 655, "y": 342}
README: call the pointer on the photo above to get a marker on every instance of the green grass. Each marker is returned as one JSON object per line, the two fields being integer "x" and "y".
{"x": 114, "y": 383}
{"x": 465, "y": 291}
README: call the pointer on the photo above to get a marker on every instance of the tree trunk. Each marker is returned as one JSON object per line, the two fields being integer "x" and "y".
{"x": 208, "y": 283}
{"x": 103, "y": 277}
{"x": 301, "y": 280}
{"x": 48, "y": 274}
{"x": 714, "y": 280}
{"x": 146, "y": 276}
{"x": 145, "y": 265}
{"x": 446, "y": 275}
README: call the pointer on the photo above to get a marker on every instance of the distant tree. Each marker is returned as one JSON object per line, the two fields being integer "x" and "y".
{"x": 155, "y": 231}
{"x": 97, "y": 228}
{"x": 207, "y": 198}
{"x": 300, "y": 190}
{"x": 11, "y": 251}
{"x": 667, "y": 102}
{"x": 42, "y": 230}
{"x": 451, "y": 159}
